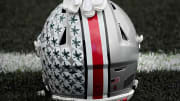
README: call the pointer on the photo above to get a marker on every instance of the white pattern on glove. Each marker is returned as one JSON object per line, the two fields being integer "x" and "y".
{"x": 88, "y": 7}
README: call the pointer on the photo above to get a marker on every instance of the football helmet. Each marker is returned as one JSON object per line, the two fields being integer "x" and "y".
{"x": 87, "y": 56}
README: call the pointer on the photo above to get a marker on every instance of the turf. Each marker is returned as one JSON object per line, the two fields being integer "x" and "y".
{"x": 153, "y": 86}
{"x": 158, "y": 20}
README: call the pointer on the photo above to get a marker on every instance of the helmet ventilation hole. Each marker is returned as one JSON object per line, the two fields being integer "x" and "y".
{"x": 119, "y": 69}
{"x": 124, "y": 37}
{"x": 113, "y": 6}
{"x": 63, "y": 39}
{"x": 63, "y": 11}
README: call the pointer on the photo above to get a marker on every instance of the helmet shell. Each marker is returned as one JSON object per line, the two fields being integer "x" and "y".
{"x": 65, "y": 49}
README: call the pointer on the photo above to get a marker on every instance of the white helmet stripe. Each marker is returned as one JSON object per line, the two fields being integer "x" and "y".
{"x": 104, "y": 50}
{"x": 89, "y": 57}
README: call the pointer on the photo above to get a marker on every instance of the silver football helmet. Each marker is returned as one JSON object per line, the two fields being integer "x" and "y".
{"x": 86, "y": 58}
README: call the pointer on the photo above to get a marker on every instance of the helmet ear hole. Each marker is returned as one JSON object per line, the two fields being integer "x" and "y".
{"x": 63, "y": 39}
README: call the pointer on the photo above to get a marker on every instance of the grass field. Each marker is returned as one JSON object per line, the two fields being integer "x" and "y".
{"x": 159, "y": 65}
{"x": 158, "y": 20}
{"x": 11, "y": 62}
{"x": 158, "y": 75}
{"x": 153, "y": 86}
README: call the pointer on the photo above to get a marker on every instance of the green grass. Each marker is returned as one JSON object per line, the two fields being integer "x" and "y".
{"x": 153, "y": 86}
{"x": 158, "y": 20}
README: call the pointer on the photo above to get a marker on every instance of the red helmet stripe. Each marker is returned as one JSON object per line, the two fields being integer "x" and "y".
{"x": 97, "y": 57}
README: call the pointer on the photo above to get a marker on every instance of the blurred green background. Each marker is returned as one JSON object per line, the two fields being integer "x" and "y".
{"x": 158, "y": 20}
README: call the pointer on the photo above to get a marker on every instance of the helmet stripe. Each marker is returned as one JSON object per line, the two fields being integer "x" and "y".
{"x": 108, "y": 55}
{"x": 88, "y": 58}
{"x": 97, "y": 58}
{"x": 104, "y": 52}
{"x": 85, "y": 54}
{"x": 97, "y": 55}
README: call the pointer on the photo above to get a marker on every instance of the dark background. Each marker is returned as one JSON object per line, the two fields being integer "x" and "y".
{"x": 158, "y": 20}
{"x": 153, "y": 86}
